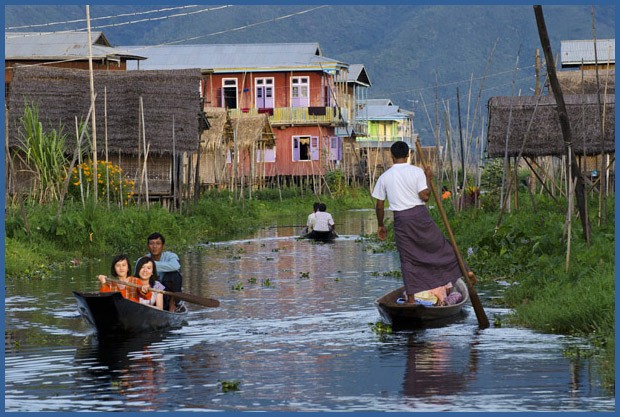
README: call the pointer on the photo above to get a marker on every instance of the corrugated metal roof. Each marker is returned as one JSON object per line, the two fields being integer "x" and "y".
{"x": 382, "y": 112}
{"x": 379, "y": 102}
{"x": 574, "y": 51}
{"x": 54, "y": 46}
{"x": 357, "y": 74}
{"x": 234, "y": 57}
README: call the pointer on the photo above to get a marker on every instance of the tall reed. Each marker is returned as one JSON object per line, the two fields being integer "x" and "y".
{"x": 44, "y": 154}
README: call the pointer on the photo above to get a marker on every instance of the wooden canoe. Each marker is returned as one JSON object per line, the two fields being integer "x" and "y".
{"x": 112, "y": 314}
{"x": 417, "y": 315}
{"x": 320, "y": 236}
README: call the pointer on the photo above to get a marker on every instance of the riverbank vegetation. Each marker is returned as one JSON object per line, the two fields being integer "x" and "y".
{"x": 552, "y": 286}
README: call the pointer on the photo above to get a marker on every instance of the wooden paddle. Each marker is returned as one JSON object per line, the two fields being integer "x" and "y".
{"x": 483, "y": 321}
{"x": 194, "y": 299}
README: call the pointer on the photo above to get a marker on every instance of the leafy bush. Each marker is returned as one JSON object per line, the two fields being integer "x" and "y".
{"x": 110, "y": 177}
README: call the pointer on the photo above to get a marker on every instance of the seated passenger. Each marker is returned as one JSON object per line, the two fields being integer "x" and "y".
{"x": 120, "y": 270}
{"x": 323, "y": 224}
{"x": 147, "y": 272}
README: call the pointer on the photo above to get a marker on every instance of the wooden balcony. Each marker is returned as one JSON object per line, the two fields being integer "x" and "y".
{"x": 329, "y": 116}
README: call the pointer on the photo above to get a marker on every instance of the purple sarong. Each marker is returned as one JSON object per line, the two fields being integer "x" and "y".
{"x": 427, "y": 259}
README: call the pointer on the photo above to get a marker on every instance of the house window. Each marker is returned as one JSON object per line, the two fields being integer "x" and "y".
{"x": 335, "y": 148}
{"x": 264, "y": 93}
{"x": 269, "y": 155}
{"x": 300, "y": 91}
{"x": 305, "y": 148}
{"x": 229, "y": 93}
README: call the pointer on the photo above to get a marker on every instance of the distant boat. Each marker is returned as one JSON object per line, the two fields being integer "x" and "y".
{"x": 319, "y": 236}
{"x": 417, "y": 315}
{"x": 112, "y": 314}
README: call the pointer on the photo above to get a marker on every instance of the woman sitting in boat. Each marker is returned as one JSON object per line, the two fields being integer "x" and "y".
{"x": 120, "y": 270}
{"x": 147, "y": 273}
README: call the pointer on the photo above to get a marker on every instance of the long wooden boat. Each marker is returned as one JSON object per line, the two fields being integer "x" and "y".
{"x": 112, "y": 314}
{"x": 417, "y": 315}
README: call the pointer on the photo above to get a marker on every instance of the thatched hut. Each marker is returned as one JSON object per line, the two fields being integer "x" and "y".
{"x": 156, "y": 108}
{"x": 251, "y": 135}
{"x": 587, "y": 82}
{"x": 214, "y": 146}
{"x": 529, "y": 125}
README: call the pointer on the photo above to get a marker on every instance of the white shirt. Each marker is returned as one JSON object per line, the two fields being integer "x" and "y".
{"x": 401, "y": 185}
{"x": 322, "y": 221}
{"x": 310, "y": 221}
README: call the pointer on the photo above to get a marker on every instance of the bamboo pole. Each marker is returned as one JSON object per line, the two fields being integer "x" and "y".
{"x": 105, "y": 135}
{"x": 144, "y": 175}
{"x": 468, "y": 276}
{"x": 564, "y": 120}
{"x": 120, "y": 181}
{"x": 65, "y": 186}
{"x": 175, "y": 183}
{"x": 92, "y": 102}
{"x": 79, "y": 161}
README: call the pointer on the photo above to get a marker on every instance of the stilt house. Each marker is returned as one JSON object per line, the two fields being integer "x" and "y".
{"x": 294, "y": 85}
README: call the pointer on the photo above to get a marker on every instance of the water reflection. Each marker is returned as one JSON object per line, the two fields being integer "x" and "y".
{"x": 437, "y": 369}
{"x": 301, "y": 342}
{"x": 132, "y": 366}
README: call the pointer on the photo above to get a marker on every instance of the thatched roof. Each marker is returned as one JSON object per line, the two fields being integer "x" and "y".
{"x": 545, "y": 134}
{"x": 214, "y": 137}
{"x": 63, "y": 94}
{"x": 250, "y": 129}
{"x": 585, "y": 82}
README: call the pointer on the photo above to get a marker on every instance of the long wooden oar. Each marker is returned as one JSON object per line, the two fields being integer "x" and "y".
{"x": 194, "y": 299}
{"x": 483, "y": 321}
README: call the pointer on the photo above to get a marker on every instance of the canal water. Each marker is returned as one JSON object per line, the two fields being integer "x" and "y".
{"x": 294, "y": 332}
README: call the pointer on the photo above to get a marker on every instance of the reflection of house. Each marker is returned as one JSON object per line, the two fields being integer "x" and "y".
{"x": 293, "y": 84}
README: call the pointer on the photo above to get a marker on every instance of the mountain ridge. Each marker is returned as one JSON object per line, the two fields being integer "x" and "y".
{"x": 416, "y": 55}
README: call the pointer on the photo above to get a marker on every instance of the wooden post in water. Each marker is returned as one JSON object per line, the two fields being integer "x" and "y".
{"x": 564, "y": 121}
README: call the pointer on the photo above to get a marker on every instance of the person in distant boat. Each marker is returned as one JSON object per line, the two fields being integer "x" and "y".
{"x": 168, "y": 265}
{"x": 120, "y": 271}
{"x": 147, "y": 271}
{"x": 310, "y": 220}
{"x": 323, "y": 224}
{"x": 427, "y": 260}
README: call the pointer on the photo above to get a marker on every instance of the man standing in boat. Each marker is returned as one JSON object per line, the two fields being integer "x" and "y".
{"x": 168, "y": 268}
{"x": 427, "y": 260}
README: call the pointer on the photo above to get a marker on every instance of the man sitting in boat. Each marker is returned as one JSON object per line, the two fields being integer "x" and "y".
{"x": 322, "y": 225}
{"x": 120, "y": 270}
{"x": 168, "y": 265}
